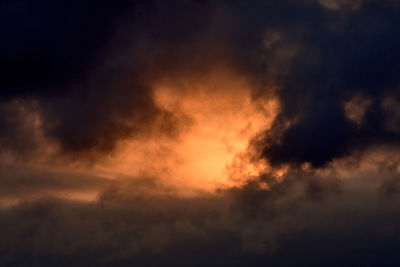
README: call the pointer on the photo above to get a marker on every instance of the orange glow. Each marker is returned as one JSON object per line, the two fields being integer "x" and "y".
{"x": 221, "y": 118}
{"x": 216, "y": 118}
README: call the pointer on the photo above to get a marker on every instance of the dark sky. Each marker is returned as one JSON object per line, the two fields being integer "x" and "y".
{"x": 80, "y": 79}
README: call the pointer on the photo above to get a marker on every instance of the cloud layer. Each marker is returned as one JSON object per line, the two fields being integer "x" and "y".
{"x": 81, "y": 80}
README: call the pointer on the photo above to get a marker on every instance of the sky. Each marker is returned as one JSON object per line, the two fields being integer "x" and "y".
{"x": 199, "y": 133}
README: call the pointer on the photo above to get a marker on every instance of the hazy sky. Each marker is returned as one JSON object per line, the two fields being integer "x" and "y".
{"x": 199, "y": 133}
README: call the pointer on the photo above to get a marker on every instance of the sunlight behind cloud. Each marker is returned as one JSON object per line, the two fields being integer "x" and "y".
{"x": 221, "y": 119}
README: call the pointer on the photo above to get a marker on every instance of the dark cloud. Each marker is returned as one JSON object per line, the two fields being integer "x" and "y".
{"x": 20, "y": 124}
{"x": 270, "y": 196}
{"x": 26, "y": 182}
{"x": 339, "y": 56}
{"x": 124, "y": 229}
{"x": 48, "y": 45}
{"x": 90, "y": 66}
{"x": 390, "y": 187}
{"x": 81, "y": 75}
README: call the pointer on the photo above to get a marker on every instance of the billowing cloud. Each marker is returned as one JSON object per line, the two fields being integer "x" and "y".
{"x": 339, "y": 57}
{"x": 192, "y": 133}
{"x": 128, "y": 226}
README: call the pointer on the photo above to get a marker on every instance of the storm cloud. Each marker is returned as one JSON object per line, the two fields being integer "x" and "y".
{"x": 342, "y": 56}
{"x": 80, "y": 82}
{"x": 91, "y": 67}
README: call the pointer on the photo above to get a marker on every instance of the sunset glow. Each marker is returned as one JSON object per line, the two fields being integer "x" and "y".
{"x": 219, "y": 119}
{"x": 199, "y": 133}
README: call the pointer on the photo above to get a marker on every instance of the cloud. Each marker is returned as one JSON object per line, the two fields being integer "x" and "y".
{"x": 329, "y": 68}
{"x": 79, "y": 79}
{"x": 341, "y": 4}
{"x": 92, "y": 76}
{"x": 167, "y": 229}
{"x": 30, "y": 182}
{"x": 20, "y": 121}
{"x": 90, "y": 68}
